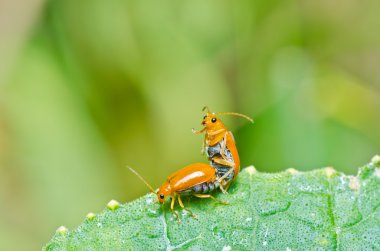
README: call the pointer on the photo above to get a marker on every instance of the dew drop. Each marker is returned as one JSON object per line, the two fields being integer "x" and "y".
{"x": 226, "y": 248}
{"x": 337, "y": 230}
{"x": 218, "y": 233}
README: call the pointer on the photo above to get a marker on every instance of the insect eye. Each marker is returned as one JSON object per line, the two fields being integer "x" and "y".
{"x": 162, "y": 196}
{"x": 205, "y": 117}
{"x": 213, "y": 120}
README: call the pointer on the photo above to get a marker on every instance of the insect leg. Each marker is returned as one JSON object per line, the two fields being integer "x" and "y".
{"x": 183, "y": 207}
{"x": 228, "y": 185}
{"x": 225, "y": 175}
{"x": 204, "y": 145}
{"x": 216, "y": 132}
{"x": 172, "y": 208}
{"x": 223, "y": 184}
{"x": 203, "y": 196}
{"x": 198, "y": 131}
{"x": 224, "y": 162}
{"x": 221, "y": 179}
{"x": 223, "y": 189}
{"x": 224, "y": 146}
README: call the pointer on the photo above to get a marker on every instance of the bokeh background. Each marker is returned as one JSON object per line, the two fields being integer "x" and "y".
{"x": 87, "y": 87}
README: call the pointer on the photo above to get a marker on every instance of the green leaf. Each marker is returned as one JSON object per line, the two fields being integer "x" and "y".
{"x": 317, "y": 210}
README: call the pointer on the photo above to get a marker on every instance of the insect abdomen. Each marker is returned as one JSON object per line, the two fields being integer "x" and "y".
{"x": 214, "y": 151}
{"x": 203, "y": 188}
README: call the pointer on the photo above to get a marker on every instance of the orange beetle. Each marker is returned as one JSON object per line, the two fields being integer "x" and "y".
{"x": 219, "y": 144}
{"x": 196, "y": 179}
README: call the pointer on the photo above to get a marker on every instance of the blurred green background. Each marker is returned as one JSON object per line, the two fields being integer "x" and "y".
{"x": 87, "y": 87}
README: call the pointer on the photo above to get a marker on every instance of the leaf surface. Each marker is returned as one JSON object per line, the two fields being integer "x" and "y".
{"x": 317, "y": 210}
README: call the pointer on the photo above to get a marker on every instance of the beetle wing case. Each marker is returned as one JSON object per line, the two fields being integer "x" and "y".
{"x": 230, "y": 143}
{"x": 191, "y": 175}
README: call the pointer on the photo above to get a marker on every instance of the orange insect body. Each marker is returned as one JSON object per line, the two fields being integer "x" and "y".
{"x": 216, "y": 133}
{"x": 200, "y": 179}
{"x": 195, "y": 179}
{"x": 185, "y": 179}
{"x": 220, "y": 147}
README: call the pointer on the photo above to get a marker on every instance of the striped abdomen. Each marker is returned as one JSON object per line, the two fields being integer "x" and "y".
{"x": 214, "y": 151}
{"x": 203, "y": 188}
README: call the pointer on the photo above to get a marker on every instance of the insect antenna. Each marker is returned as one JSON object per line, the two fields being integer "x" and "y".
{"x": 206, "y": 108}
{"x": 235, "y": 114}
{"x": 142, "y": 179}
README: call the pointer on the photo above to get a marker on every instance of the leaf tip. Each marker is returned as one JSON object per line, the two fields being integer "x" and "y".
{"x": 251, "y": 170}
{"x": 90, "y": 216}
{"x": 329, "y": 171}
{"x": 113, "y": 204}
{"x": 376, "y": 160}
{"x": 292, "y": 171}
{"x": 62, "y": 230}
